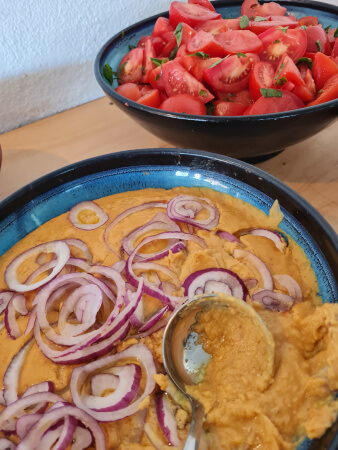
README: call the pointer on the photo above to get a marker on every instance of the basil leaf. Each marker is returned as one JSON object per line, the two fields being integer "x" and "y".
{"x": 157, "y": 77}
{"x": 319, "y": 45}
{"x": 271, "y": 93}
{"x": 260, "y": 19}
{"x": 307, "y": 61}
{"x": 280, "y": 71}
{"x": 283, "y": 29}
{"x": 336, "y": 33}
{"x": 320, "y": 91}
{"x": 327, "y": 28}
{"x": 122, "y": 34}
{"x": 178, "y": 33}
{"x": 200, "y": 55}
{"x": 281, "y": 81}
{"x": 277, "y": 41}
{"x": 173, "y": 53}
{"x": 108, "y": 73}
{"x": 131, "y": 47}
{"x": 119, "y": 70}
{"x": 303, "y": 27}
{"x": 159, "y": 62}
{"x": 244, "y": 22}
{"x": 230, "y": 94}
{"x": 210, "y": 108}
{"x": 240, "y": 54}
{"x": 203, "y": 93}
{"x": 218, "y": 62}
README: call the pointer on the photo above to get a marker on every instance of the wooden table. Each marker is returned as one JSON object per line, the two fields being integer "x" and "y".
{"x": 96, "y": 128}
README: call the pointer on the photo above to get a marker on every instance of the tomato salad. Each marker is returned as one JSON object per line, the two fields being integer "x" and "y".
{"x": 265, "y": 61}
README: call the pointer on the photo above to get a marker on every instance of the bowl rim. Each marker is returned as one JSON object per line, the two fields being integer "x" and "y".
{"x": 108, "y": 89}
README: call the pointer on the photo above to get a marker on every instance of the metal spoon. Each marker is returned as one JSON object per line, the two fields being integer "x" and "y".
{"x": 184, "y": 358}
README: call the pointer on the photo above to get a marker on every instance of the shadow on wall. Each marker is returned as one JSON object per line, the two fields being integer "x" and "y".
{"x": 35, "y": 95}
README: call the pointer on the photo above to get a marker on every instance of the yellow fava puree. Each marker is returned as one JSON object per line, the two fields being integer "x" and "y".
{"x": 299, "y": 401}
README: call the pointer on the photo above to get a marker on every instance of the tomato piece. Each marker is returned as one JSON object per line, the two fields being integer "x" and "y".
{"x": 204, "y": 3}
{"x": 307, "y": 91}
{"x": 190, "y": 14}
{"x": 334, "y": 53}
{"x": 330, "y": 36}
{"x": 249, "y": 8}
{"x": 258, "y": 27}
{"x": 329, "y": 92}
{"x": 169, "y": 47}
{"x": 188, "y": 62}
{"x": 162, "y": 25}
{"x": 184, "y": 103}
{"x": 187, "y": 33}
{"x": 288, "y": 86}
{"x": 131, "y": 65}
{"x": 230, "y": 75}
{"x": 156, "y": 79}
{"x": 276, "y": 43}
{"x": 228, "y": 108}
{"x": 148, "y": 65}
{"x": 213, "y": 26}
{"x": 143, "y": 88}
{"x": 308, "y": 21}
{"x": 150, "y": 98}
{"x": 181, "y": 52}
{"x": 323, "y": 68}
{"x": 205, "y": 42}
{"x": 315, "y": 34}
{"x": 288, "y": 69}
{"x": 261, "y": 77}
{"x": 271, "y": 105}
{"x": 270, "y": 9}
{"x": 129, "y": 90}
{"x": 158, "y": 44}
{"x": 198, "y": 68}
{"x": 177, "y": 80}
{"x": 241, "y": 41}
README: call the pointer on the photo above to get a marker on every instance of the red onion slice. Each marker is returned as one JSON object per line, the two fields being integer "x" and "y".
{"x": 82, "y": 439}
{"x": 5, "y": 297}
{"x": 228, "y": 236}
{"x": 25, "y": 423}
{"x": 80, "y": 374}
{"x": 81, "y": 246}
{"x": 2, "y": 400}
{"x": 186, "y": 207}
{"x": 103, "y": 381}
{"x": 274, "y": 236}
{"x": 136, "y": 319}
{"x": 44, "y": 386}
{"x": 16, "y": 304}
{"x": 59, "y": 248}
{"x": 208, "y": 281}
{"x": 258, "y": 264}
{"x": 291, "y": 285}
{"x": 274, "y": 300}
{"x": 74, "y": 213}
{"x": 6, "y": 444}
{"x": 167, "y": 420}
{"x": 250, "y": 283}
{"x": 154, "y": 319}
{"x": 52, "y": 417}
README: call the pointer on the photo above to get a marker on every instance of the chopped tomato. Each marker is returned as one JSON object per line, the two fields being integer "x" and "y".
{"x": 271, "y": 105}
{"x": 334, "y": 53}
{"x": 307, "y": 91}
{"x": 230, "y": 75}
{"x": 177, "y": 80}
{"x": 131, "y": 66}
{"x": 129, "y": 90}
{"x": 181, "y": 52}
{"x": 228, "y": 108}
{"x": 158, "y": 44}
{"x": 328, "y": 93}
{"x": 261, "y": 77}
{"x": 288, "y": 86}
{"x": 190, "y": 14}
{"x": 260, "y": 26}
{"x": 184, "y": 103}
{"x": 213, "y": 26}
{"x": 232, "y": 24}
{"x": 187, "y": 33}
{"x": 270, "y": 9}
{"x": 162, "y": 25}
{"x": 205, "y": 42}
{"x": 243, "y": 97}
{"x": 150, "y": 98}
{"x": 156, "y": 79}
{"x": 198, "y": 68}
{"x": 188, "y": 62}
{"x": 278, "y": 42}
{"x": 288, "y": 69}
{"x": 330, "y": 36}
{"x": 249, "y": 8}
{"x": 308, "y": 21}
{"x": 241, "y": 41}
{"x": 323, "y": 68}
{"x": 169, "y": 47}
{"x": 204, "y": 3}
{"x": 148, "y": 64}
{"x": 317, "y": 40}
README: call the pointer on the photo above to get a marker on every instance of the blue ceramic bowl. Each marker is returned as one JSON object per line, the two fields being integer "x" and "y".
{"x": 244, "y": 137}
{"x": 57, "y": 192}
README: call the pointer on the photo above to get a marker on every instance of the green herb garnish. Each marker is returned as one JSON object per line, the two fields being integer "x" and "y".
{"x": 210, "y": 108}
{"x": 303, "y": 27}
{"x": 230, "y": 94}
{"x": 283, "y": 29}
{"x": 108, "y": 73}
{"x": 319, "y": 45}
{"x": 280, "y": 71}
{"x": 320, "y": 91}
{"x": 244, "y": 22}
{"x": 240, "y": 54}
{"x": 335, "y": 34}
{"x": 159, "y": 62}
{"x": 218, "y": 62}
{"x": 131, "y": 47}
{"x": 271, "y": 93}
{"x": 307, "y": 61}
{"x": 157, "y": 77}
{"x": 203, "y": 93}
{"x": 200, "y": 55}
{"x": 122, "y": 34}
{"x": 173, "y": 53}
{"x": 277, "y": 41}
{"x": 260, "y": 19}
{"x": 281, "y": 81}
{"x": 327, "y": 28}
{"x": 178, "y": 34}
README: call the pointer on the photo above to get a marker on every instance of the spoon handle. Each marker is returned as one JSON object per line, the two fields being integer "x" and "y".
{"x": 192, "y": 442}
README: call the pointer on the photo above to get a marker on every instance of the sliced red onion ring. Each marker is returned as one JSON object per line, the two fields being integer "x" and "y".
{"x": 25, "y": 423}
{"x": 291, "y": 285}
{"x": 81, "y": 246}
{"x": 258, "y": 264}
{"x": 155, "y": 267}
{"x": 127, "y": 213}
{"x": 6, "y": 444}
{"x": 44, "y": 386}
{"x": 119, "y": 266}
{"x": 160, "y": 222}
{"x": 16, "y": 304}
{"x": 274, "y": 300}
{"x": 80, "y": 374}
{"x": 2, "y": 400}
{"x": 250, "y": 283}
{"x": 91, "y": 206}
{"x": 103, "y": 381}
{"x": 186, "y": 207}
{"x": 208, "y": 281}
{"x": 154, "y": 319}
{"x": 228, "y": 236}
{"x": 167, "y": 420}
{"x": 154, "y": 439}
{"x": 148, "y": 287}
{"x": 66, "y": 436}
{"x": 12, "y": 374}
{"x": 274, "y": 236}
{"x": 136, "y": 319}
{"x": 5, "y": 297}
{"x": 52, "y": 417}
{"x": 31, "y": 321}
{"x": 82, "y": 439}
{"x": 62, "y": 253}
{"x": 167, "y": 288}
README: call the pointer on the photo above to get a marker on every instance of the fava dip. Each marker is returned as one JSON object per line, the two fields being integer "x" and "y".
{"x": 84, "y": 302}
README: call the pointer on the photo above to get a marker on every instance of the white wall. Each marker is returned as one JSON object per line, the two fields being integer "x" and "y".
{"x": 47, "y": 51}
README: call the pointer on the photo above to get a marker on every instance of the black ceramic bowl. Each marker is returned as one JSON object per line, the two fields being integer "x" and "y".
{"x": 240, "y": 136}
{"x": 57, "y": 192}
